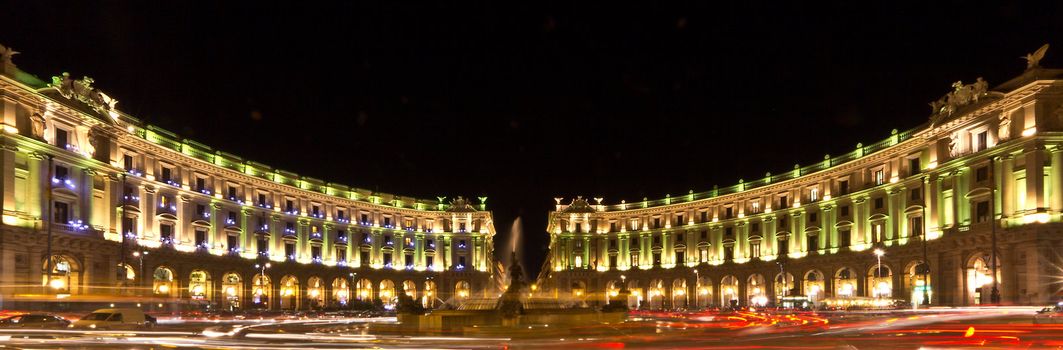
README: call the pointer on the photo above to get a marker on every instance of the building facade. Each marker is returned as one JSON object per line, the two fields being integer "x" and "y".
{"x": 920, "y": 211}
{"x": 100, "y": 207}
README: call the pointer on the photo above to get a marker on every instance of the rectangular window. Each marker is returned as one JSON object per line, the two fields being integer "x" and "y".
{"x": 728, "y": 212}
{"x": 341, "y": 255}
{"x": 263, "y": 246}
{"x": 289, "y": 250}
{"x": 915, "y": 226}
{"x": 201, "y": 184}
{"x": 680, "y": 257}
{"x": 409, "y": 242}
{"x": 340, "y": 214}
{"x": 679, "y": 220}
{"x": 289, "y": 206}
{"x": 387, "y": 222}
{"x": 127, "y": 162}
{"x": 784, "y": 247}
{"x": 879, "y": 202}
{"x": 755, "y": 207}
{"x": 729, "y": 253}
{"x": 634, "y": 259}
{"x": 232, "y": 192}
{"x": 983, "y": 141}
{"x": 844, "y": 238}
{"x": 812, "y": 217}
{"x": 656, "y": 222}
{"x": 656, "y": 240}
{"x": 316, "y": 210}
{"x": 612, "y": 261}
{"x": 981, "y": 174}
{"x": 880, "y": 177}
{"x": 387, "y": 240}
{"x": 167, "y": 174}
{"x": 704, "y": 216}
{"x": 704, "y": 235}
{"x": 982, "y": 211}
{"x": 365, "y": 219}
{"x": 166, "y": 232}
{"x": 61, "y": 172}
{"x": 612, "y": 226}
{"x": 813, "y": 243}
{"x": 680, "y": 238}
{"x": 201, "y": 210}
{"x": 843, "y": 187}
{"x": 754, "y": 227}
{"x": 429, "y": 261}
{"x": 431, "y": 243}
{"x": 612, "y": 243}
{"x": 409, "y": 261}
{"x": 783, "y": 203}
{"x": 656, "y": 259}
{"x": 262, "y": 199}
{"x": 61, "y": 138}
{"x": 729, "y": 231}
{"x": 915, "y": 194}
{"x": 754, "y": 249}
{"x": 914, "y": 166}
{"x": 315, "y": 253}
{"x": 813, "y": 195}
{"x": 363, "y": 257}
{"x": 129, "y": 225}
{"x": 232, "y": 242}
{"x": 843, "y": 210}
{"x": 62, "y": 212}
{"x": 461, "y": 262}
{"x": 201, "y": 238}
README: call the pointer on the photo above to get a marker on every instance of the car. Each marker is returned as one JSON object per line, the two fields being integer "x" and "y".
{"x": 123, "y": 318}
{"x": 34, "y": 321}
{"x": 1050, "y": 314}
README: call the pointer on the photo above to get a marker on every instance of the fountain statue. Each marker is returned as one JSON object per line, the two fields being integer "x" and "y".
{"x": 511, "y": 304}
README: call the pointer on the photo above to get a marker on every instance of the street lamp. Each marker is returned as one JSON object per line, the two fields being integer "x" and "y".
{"x": 878, "y": 254}
{"x": 697, "y": 287}
{"x": 140, "y": 260}
{"x": 262, "y": 277}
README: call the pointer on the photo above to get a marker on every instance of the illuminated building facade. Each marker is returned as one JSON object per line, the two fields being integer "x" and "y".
{"x": 129, "y": 209}
{"x": 985, "y": 170}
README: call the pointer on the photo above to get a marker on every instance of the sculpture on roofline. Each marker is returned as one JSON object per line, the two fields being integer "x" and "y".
{"x": 83, "y": 91}
{"x": 6, "y": 53}
{"x": 1033, "y": 60}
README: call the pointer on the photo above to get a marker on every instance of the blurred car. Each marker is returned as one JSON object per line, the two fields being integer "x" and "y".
{"x": 1050, "y": 314}
{"x": 126, "y": 318}
{"x": 34, "y": 321}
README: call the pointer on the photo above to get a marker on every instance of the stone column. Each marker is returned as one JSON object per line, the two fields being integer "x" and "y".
{"x": 1055, "y": 184}
{"x": 1006, "y": 183}
{"x": 1035, "y": 160}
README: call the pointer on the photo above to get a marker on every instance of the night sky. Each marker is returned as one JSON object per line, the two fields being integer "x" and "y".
{"x": 527, "y": 103}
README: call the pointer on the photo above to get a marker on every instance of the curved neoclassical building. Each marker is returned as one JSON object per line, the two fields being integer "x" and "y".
{"x": 98, "y": 207}
{"x": 986, "y": 170}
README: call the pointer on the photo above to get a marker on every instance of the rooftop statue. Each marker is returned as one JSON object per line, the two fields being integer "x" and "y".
{"x": 6, "y": 53}
{"x": 83, "y": 91}
{"x": 1033, "y": 60}
{"x": 961, "y": 95}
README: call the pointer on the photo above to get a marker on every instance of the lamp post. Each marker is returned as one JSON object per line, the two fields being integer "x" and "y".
{"x": 878, "y": 254}
{"x": 140, "y": 260}
{"x": 50, "y": 220}
{"x": 697, "y": 287}
{"x": 782, "y": 275}
{"x": 262, "y": 276}
{"x": 926, "y": 265}
{"x": 994, "y": 295}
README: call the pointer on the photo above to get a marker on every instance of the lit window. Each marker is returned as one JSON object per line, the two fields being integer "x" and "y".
{"x": 813, "y": 195}
{"x": 880, "y": 177}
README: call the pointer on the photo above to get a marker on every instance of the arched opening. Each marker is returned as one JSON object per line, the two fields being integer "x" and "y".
{"x": 163, "y": 284}
{"x": 784, "y": 287}
{"x": 410, "y": 289}
{"x": 656, "y": 295}
{"x": 387, "y": 293}
{"x": 126, "y": 274}
{"x": 755, "y": 293}
{"x": 315, "y": 293}
{"x": 461, "y": 290}
{"x": 679, "y": 293}
{"x": 703, "y": 297}
{"x": 612, "y": 290}
{"x": 199, "y": 285}
{"x": 917, "y": 283}
{"x": 880, "y": 281}
{"x": 262, "y": 291}
{"x": 232, "y": 288}
{"x": 813, "y": 285}
{"x": 729, "y": 291}
{"x": 364, "y": 289}
{"x": 579, "y": 289}
{"x": 845, "y": 283}
{"x": 428, "y": 298}
{"x": 635, "y": 299}
{"x": 980, "y": 280}
{"x": 66, "y": 275}
{"x": 289, "y": 293}
{"x": 341, "y": 294}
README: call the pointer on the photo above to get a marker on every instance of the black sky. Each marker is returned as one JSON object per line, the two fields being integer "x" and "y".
{"x": 526, "y": 103}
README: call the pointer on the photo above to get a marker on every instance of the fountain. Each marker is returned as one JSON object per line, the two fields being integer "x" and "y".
{"x": 515, "y": 313}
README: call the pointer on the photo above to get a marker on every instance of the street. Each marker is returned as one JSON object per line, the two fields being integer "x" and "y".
{"x": 907, "y": 329}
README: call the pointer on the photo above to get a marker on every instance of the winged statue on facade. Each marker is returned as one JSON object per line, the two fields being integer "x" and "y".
{"x": 1033, "y": 60}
